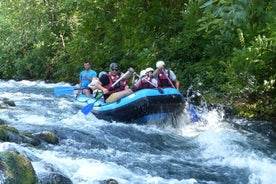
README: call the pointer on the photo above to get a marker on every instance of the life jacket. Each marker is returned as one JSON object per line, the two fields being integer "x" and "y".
{"x": 118, "y": 87}
{"x": 163, "y": 80}
{"x": 146, "y": 83}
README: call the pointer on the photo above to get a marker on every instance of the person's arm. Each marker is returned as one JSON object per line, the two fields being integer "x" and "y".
{"x": 88, "y": 78}
{"x": 177, "y": 84}
{"x": 173, "y": 78}
{"x": 80, "y": 85}
{"x": 137, "y": 83}
{"x": 154, "y": 82}
{"x": 131, "y": 70}
{"x": 90, "y": 75}
{"x": 157, "y": 71}
{"x": 80, "y": 78}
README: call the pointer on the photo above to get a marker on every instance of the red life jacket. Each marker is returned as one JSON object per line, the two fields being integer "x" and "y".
{"x": 163, "y": 80}
{"x": 146, "y": 83}
{"x": 118, "y": 87}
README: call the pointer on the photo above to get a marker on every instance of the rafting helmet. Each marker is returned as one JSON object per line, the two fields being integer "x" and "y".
{"x": 142, "y": 73}
{"x": 149, "y": 69}
{"x": 160, "y": 64}
{"x": 114, "y": 65}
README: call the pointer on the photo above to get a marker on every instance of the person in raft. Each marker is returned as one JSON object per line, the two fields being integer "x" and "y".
{"x": 146, "y": 80}
{"x": 96, "y": 93}
{"x": 85, "y": 77}
{"x": 114, "y": 93}
{"x": 165, "y": 77}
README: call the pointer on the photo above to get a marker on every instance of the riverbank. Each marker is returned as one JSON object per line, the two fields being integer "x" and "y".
{"x": 240, "y": 108}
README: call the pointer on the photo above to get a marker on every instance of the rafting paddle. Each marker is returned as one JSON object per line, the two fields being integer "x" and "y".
{"x": 88, "y": 108}
{"x": 193, "y": 115}
{"x": 64, "y": 90}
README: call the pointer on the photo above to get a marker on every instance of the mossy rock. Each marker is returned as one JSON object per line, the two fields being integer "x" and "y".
{"x": 16, "y": 169}
{"x": 2, "y": 122}
{"x": 3, "y": 135}
{"x": 6, "y": 132}
{"x": 8, "y": 128}
{"x": 48, "y": 137}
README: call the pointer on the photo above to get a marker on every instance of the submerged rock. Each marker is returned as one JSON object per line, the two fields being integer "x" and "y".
{"x": 47, "y": 136}
{"x": 54, "y": 178}
{"x": 2, "y": 122}
{"x": 9, "y": 102}
{"x": 16, "y": 168}
{"x": 109, "y": 181}
{"x": 5, "y": 103}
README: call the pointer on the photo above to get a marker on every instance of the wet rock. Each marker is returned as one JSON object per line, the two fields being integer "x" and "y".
{"x": 2, "y": 122}
{"x": 54, "y": 178}
{"x": 48, "y": 137}
{"x": 109, "y": 181}
{"x": 8, "y": 102}
{"x": 9, "y": 133}
{"x": 3, "y": 135}
{"x": 16, "y": 168}
{"x": 30, "y": 139}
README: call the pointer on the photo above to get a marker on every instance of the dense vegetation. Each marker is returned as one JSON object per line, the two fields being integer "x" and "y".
{"x": 226, "y": 49}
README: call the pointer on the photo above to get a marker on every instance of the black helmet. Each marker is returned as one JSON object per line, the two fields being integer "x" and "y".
{"x": 114, "y": 65}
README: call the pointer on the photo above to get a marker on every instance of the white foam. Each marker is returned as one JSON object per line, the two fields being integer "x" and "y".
{"x": 224, "y": 146}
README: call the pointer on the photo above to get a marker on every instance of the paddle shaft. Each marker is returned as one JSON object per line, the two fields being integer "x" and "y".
{"x": 64, "y": 90}
{"x": 123, "y": 76}
{"x": 169, "y": 78}
{"x": 147, "y": 81}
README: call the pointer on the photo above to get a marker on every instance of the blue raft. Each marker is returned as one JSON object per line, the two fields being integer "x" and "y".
{"x": 141, "y": 106}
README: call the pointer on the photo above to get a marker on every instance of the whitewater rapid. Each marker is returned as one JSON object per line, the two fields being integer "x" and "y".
{"x": 214, "y": 150}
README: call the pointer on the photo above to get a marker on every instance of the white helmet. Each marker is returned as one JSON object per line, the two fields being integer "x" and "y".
{"x": 159, "y": 64}
{"x": 142, "y": 73}
{"x": 149, "y": 69}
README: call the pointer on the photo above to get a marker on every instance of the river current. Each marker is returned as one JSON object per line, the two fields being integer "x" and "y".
{"x": 216, "y": 150}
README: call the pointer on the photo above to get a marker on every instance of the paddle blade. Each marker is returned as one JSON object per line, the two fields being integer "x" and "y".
{"x": 63, "y": 90}
{"x": 88, "y": 108}
{"x": 193, "y": 115}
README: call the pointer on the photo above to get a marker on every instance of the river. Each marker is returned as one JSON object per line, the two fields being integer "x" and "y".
{"x": 217, "y": 150}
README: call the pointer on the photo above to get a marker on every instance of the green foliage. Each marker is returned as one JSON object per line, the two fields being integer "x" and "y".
{"x": 224, "y": 48}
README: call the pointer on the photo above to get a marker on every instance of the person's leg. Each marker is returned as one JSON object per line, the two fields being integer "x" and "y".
{"x": 87, "y": 91}
{"x": 118, "y": 95}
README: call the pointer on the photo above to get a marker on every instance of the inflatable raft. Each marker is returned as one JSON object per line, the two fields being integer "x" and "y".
{"x": 140, "y": 106}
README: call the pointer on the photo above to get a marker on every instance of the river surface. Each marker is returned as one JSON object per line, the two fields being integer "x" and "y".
{"x": 216, "y": 150}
